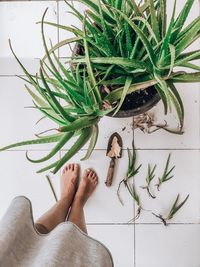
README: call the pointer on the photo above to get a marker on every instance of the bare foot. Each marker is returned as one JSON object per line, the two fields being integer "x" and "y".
{"x": 86, "y": 186}
{"x": 69, "y": 181}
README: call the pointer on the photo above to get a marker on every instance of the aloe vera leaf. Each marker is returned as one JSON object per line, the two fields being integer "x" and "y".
{"x": 185, "y": 57}
{"x": 105, "y": 29}
{"x": 167, "y": 38}
{"x": 148, "y": 26}
{"x": 81, "y": 18}
{"x": 61, "y": 44}
{"x": 81, "y": 141}
{"x": 163, "y": 98}
{"x": 163, "y": 18}
{"x": 64, "y": 71}
{"x": 187, "y": 29}
{"x": 42, "y": 140}
{"x": 128, "y": 39}
{"x": 142, "y": 37}
{"x": 37, "y": 99}
{"x": 125, "y": 62}
{"x": 79, "y": 124}
{"x": 64, "y": 27}
{"x": 118, "y": 4}
{"x": 188, "y": 39}
{"x": 52, "y": 165}
{"x": 93, "y": 5}
{"x": 164, "y": 87}
{"x": 45, "y": 46}
{"x": 124, "y": 93}
{"x": 177, "y": 102}
{"x": 90, "y": 71}
{"x": 94, "y": 17}
{"x": 51, "y": 115}
{"x": 135, "y": 7}
{"x": 186, "y": 78}
{"x": 190, "y": 66}
{"x": 93, "y": 141}
{"x": 173, "y": 54}
{"x": 154, "y": 21}
{"x": 55, "y": 101}
{"x": 180, "y": 21}
{"x": 63, "y": 140}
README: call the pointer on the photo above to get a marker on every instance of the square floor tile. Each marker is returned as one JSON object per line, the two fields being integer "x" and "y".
{"x": 18, "y": 21}
{"x": 68, "y": 19}
{"x": 162, "y": 139}
{"x": 185, "y": 181}
{"x": 174, "y": 246}
{"x": 108, "y": 126}
{"x": 18, "y": 177}
{"x": 104, "y": 205}
{"x": 119, "y": 239}
{"x": 17, "y": 122}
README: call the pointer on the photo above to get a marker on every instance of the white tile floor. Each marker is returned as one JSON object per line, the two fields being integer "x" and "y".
{"x": 143, "y": 244}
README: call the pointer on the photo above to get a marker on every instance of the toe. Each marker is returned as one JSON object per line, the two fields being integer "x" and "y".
{"x": 95, "y": 179}
{"x": 70, "y": 167}
{"x": 91, "y": 173}
{"x": 66, "y": 167}
{"x": 76, "y": 168}
{"x": 94, "y": 176}
{"x": 87, "y": 172}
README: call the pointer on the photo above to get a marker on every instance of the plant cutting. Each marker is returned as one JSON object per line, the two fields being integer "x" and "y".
{"x": 173, "y": 210}
{"x": 135, "y": 53}
{"x": 167, "y": 173}
{"x": 149, "y": 179}
{"x": 132, "y": 171}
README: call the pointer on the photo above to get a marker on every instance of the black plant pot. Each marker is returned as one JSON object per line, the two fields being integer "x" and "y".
{"x": 135, "y": 103}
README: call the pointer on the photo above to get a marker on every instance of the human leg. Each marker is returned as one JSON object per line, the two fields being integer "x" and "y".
{"x": 86, "y": 188}
{"x": 58, "y": 213}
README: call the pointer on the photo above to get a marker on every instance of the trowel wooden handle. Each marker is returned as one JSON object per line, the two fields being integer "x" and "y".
{"x": 110, "y": 174}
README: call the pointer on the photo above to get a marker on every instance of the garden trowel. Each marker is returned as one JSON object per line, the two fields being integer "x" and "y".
{"x": 114, "y": 151}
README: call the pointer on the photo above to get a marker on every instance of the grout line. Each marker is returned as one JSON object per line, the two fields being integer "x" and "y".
{"x": 143, "y": 224}
{"x": 134, "y": 252}
{"x": 199, "y": 84}
{"x": 2, "y": 1}
{"x": 146, "y": 149}
{"x": 134, "y": 207}
{"x": 97, "y": 149}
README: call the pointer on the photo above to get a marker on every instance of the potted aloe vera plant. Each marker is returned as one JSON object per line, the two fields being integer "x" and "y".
{"x": 134, "y": 52}
{"x": 123, "y": 63}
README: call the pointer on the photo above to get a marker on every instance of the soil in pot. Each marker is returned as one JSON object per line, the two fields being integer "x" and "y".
{"x": 138, "y": 99}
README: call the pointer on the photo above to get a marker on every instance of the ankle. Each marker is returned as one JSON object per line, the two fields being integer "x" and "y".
{"x": 64, "y": 200}
{"x": 79, "y": 201}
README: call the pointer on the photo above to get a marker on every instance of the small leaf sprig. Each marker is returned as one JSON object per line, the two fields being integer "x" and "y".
{"x": 135, "y": 196}
{"x": 167, "y": 174}
{"x": 149, "y": 179}
{"x": 131, "y": 172}
{"x": 174, "y": 209}
{"x": 51, "y": 187}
